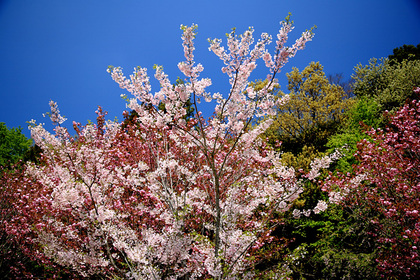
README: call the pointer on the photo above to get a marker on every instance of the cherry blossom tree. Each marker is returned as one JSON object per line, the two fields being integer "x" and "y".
{"x": 168, "y": 197}
{"x": 386, "y": 185}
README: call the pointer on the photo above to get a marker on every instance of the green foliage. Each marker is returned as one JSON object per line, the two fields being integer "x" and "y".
{"x": 345, "y": 250}
{"x": 406, "y": 52}
{"x": 364, "y": 113}
{"x": 13, "y": 145}
{"x": 389, "y": 85}
{"x": 332, "y": 245}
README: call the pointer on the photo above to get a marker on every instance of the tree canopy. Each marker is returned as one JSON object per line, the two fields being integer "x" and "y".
{"x": 13, "y": 145}
{"x": 390, "y": 85}
{"x": 314, "y": 111}
{"x": 405, "y": 52}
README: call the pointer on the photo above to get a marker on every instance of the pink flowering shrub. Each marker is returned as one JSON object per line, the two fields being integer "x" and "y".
{"x": 386, "y": 183}
{"x": 20, "y": 213}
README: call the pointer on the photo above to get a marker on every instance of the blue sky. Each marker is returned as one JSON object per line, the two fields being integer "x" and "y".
{"x": 59, "y": 50}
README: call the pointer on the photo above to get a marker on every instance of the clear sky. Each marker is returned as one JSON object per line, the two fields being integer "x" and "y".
{"x": 60, "y": 49}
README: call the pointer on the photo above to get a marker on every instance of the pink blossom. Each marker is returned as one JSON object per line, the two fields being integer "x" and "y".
{"x": 320, "y": 207}
{"x": 176, "y": 197}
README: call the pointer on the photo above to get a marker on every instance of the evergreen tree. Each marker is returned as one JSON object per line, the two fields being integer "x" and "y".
{"x": 406, "y": 52}
{"x": 13, "y": 145}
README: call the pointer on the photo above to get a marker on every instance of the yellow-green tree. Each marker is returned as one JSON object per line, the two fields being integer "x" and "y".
{"x": 314, "y": 113}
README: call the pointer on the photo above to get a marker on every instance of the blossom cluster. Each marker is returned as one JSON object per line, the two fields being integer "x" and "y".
{"x": 161, "y": 196}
